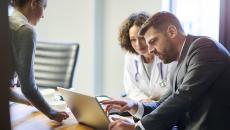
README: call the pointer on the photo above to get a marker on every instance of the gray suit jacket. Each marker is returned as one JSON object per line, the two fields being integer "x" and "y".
{"x": 200, "y": 95}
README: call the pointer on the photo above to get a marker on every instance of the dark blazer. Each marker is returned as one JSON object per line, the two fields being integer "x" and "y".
{"x": 200, "y": 95}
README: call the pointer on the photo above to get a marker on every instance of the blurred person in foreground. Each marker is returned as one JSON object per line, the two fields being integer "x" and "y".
{"x": 26, "y": 15}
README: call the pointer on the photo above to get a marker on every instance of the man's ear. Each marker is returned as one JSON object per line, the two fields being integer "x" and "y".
{"x": 34, "y": 3}
{"x": 171, "y": 31}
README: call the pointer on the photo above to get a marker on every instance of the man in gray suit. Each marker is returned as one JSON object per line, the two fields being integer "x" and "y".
{"x": 200, "y": 88}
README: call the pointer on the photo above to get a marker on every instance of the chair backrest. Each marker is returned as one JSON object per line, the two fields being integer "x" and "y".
{"x": 55, "y": 64}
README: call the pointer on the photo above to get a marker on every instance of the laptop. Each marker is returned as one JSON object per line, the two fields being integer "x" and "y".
{"x": 86, "y": 109}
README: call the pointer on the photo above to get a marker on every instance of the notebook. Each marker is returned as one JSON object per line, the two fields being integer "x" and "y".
{"x": 86, "y": 109}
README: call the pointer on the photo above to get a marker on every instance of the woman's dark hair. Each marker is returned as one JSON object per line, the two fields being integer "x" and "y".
{"x": 19, "y": 3}
{"x": 134, "y": 19}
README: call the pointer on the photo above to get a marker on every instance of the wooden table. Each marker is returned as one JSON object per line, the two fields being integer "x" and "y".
{"x": 29, "y": 118}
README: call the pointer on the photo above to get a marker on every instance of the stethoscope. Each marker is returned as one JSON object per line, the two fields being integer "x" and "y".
{"x": 162, "y": 82}
{"x": 137, "y": 70}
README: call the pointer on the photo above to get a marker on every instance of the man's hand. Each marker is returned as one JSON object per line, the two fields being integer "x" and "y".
{"x": 58, "y": 116}
{"x": 121, "y": 124}
{"x": 122, "y": 105}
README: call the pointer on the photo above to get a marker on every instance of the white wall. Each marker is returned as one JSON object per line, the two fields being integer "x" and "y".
{"x": 72, "y": 21}
{"x": 94, "y": 24}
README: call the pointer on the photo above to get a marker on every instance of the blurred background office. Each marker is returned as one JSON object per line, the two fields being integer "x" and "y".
{"x": 94, "y": 25}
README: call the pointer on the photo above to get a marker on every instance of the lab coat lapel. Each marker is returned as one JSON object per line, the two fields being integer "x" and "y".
{"x": 142, "y": 72}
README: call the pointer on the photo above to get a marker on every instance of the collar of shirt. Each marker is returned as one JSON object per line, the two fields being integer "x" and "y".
{"x": 18, "y": 18}
{"x": 182, "y": 47}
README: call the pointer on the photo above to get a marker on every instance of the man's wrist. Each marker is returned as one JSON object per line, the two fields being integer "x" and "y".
{"x": 139, "y": 126}
{"x": 134, "y": 109}
{"x": 140, "y": 111}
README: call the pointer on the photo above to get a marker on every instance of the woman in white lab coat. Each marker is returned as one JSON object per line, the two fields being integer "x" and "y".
{"x": 145, "y": 76}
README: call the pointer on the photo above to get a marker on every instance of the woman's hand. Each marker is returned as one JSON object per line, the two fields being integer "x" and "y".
{"x": 58, "y": 116}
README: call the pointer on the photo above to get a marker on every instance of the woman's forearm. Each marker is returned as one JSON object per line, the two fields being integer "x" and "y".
{"x": 18, "y": 97}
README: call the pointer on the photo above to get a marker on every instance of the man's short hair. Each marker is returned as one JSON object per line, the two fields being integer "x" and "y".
{"x": 160, "y": 21}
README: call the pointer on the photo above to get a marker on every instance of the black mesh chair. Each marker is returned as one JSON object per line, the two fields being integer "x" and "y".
{"x": 55, "y": 64}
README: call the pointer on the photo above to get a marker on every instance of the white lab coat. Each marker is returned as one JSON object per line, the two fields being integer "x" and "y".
{"x": 136, "y": 82}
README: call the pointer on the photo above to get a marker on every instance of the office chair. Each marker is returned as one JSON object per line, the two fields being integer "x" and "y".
{"x": 55, "y": 64}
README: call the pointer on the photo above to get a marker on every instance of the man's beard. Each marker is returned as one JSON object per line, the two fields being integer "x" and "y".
{"x": 169, "y": 53}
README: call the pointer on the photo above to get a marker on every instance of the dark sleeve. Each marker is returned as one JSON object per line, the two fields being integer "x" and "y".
{"x": 204, "y": 64}
{"x": 150, "y": 106}
{"x": 24, "y": 60}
